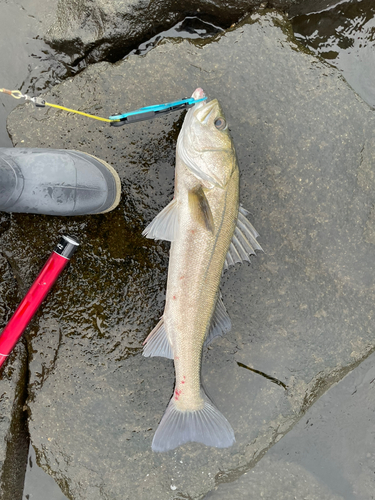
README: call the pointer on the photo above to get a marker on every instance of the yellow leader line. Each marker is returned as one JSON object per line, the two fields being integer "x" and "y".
{"x": 18, "y": 95}
{"x": 79, "y": 112}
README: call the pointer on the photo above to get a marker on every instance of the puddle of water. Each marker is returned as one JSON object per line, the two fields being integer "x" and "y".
{"x": 38, "y": 484}
{"x": 345, "y": 37}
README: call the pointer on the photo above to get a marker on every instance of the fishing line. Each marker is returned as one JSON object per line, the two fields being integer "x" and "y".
{"x": 141, "y": 114}
{"x": 41, "y": 103}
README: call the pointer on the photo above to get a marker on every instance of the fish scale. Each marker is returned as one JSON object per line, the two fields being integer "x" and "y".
{"x": 188, "y": 319}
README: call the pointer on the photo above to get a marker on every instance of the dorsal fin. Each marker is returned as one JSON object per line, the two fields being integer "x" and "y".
{"x": 244, "y": 241}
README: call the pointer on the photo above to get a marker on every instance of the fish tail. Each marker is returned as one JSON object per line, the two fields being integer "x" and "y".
{"x": 207, "y": 426}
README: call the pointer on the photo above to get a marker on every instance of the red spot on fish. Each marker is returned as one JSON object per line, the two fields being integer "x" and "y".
{"x": 174, "y": 297}
{"x": 182, "y": 381}
{"x": 177, "y": 394}
{"x": 176, "y": 358}
{"x": 192, "y": 231}
{"x": 182, "y": 277}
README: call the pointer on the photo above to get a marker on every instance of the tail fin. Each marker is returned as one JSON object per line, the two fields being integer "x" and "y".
{"x": 207, "y": 426}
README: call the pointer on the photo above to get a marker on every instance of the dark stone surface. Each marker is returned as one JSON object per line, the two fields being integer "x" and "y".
{"x": 301, "y": 313}
{"x": 13, "y": 382}
{"x": 271, "y": 479}
{"x": 306, "y": 6}
{"x": 330, "y": 34}
{"x": 328, "y": 455}
{"x": 27, "y": 63}
{"x": 102, "y": 29}
{"x": 13, "y": 425}
{"x": 18, "y": 26}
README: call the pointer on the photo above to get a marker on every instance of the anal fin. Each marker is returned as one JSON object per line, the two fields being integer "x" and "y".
{"x": 157, "y": 343}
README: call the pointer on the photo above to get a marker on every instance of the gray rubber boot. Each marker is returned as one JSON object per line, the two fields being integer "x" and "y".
{"x": 56, "y": 182}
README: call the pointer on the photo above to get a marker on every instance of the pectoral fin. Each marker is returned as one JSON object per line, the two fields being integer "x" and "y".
{"x": 244, "y": 241}
{"x": 200, "y": 208}
{"x": 165, "y": 225}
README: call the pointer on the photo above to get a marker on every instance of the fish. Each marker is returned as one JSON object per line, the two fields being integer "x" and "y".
{"x": 209, "y": 232}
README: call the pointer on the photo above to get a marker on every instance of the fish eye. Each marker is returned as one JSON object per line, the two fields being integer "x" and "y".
{"x": 220, "y": 123}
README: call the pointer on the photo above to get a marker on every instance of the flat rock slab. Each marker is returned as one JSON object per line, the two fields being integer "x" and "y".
{"x": 329, "y": 453}
{"x": 301, "y": 313}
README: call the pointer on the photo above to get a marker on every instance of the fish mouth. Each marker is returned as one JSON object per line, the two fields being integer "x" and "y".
{"x": 203, "y": 109}
{"x": 198, "y": 94}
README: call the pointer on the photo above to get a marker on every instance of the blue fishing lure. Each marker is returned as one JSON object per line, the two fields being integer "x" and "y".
{"x": 150, "y": 112}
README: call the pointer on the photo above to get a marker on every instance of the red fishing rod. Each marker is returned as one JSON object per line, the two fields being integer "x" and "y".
{"x": 34, "y": 297}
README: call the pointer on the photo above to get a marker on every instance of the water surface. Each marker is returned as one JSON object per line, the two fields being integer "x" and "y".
{"x": 345, "y": 37}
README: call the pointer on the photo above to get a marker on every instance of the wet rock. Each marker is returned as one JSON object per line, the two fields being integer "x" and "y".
{"x": 330, "y": 35}
{"x": 328, "y": 455}
{"x": 301, "y": 313}
{"x": 38, "y": 484}
{"x": 19, "y": 28}
{"x": 13, "y": 425}
{"x": 308, "y": 6}
{"x": 27, "y": 62}
{"x": 13, "y": 381}
{"x": 109, "y": 29}
{"x": 274, "y": 479}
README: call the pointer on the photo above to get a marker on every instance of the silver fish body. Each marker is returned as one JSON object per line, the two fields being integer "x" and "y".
{"x": 202, "y": 223}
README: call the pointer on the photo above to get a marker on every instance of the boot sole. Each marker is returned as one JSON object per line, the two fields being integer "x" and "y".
{"x": 117, "y": 182}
